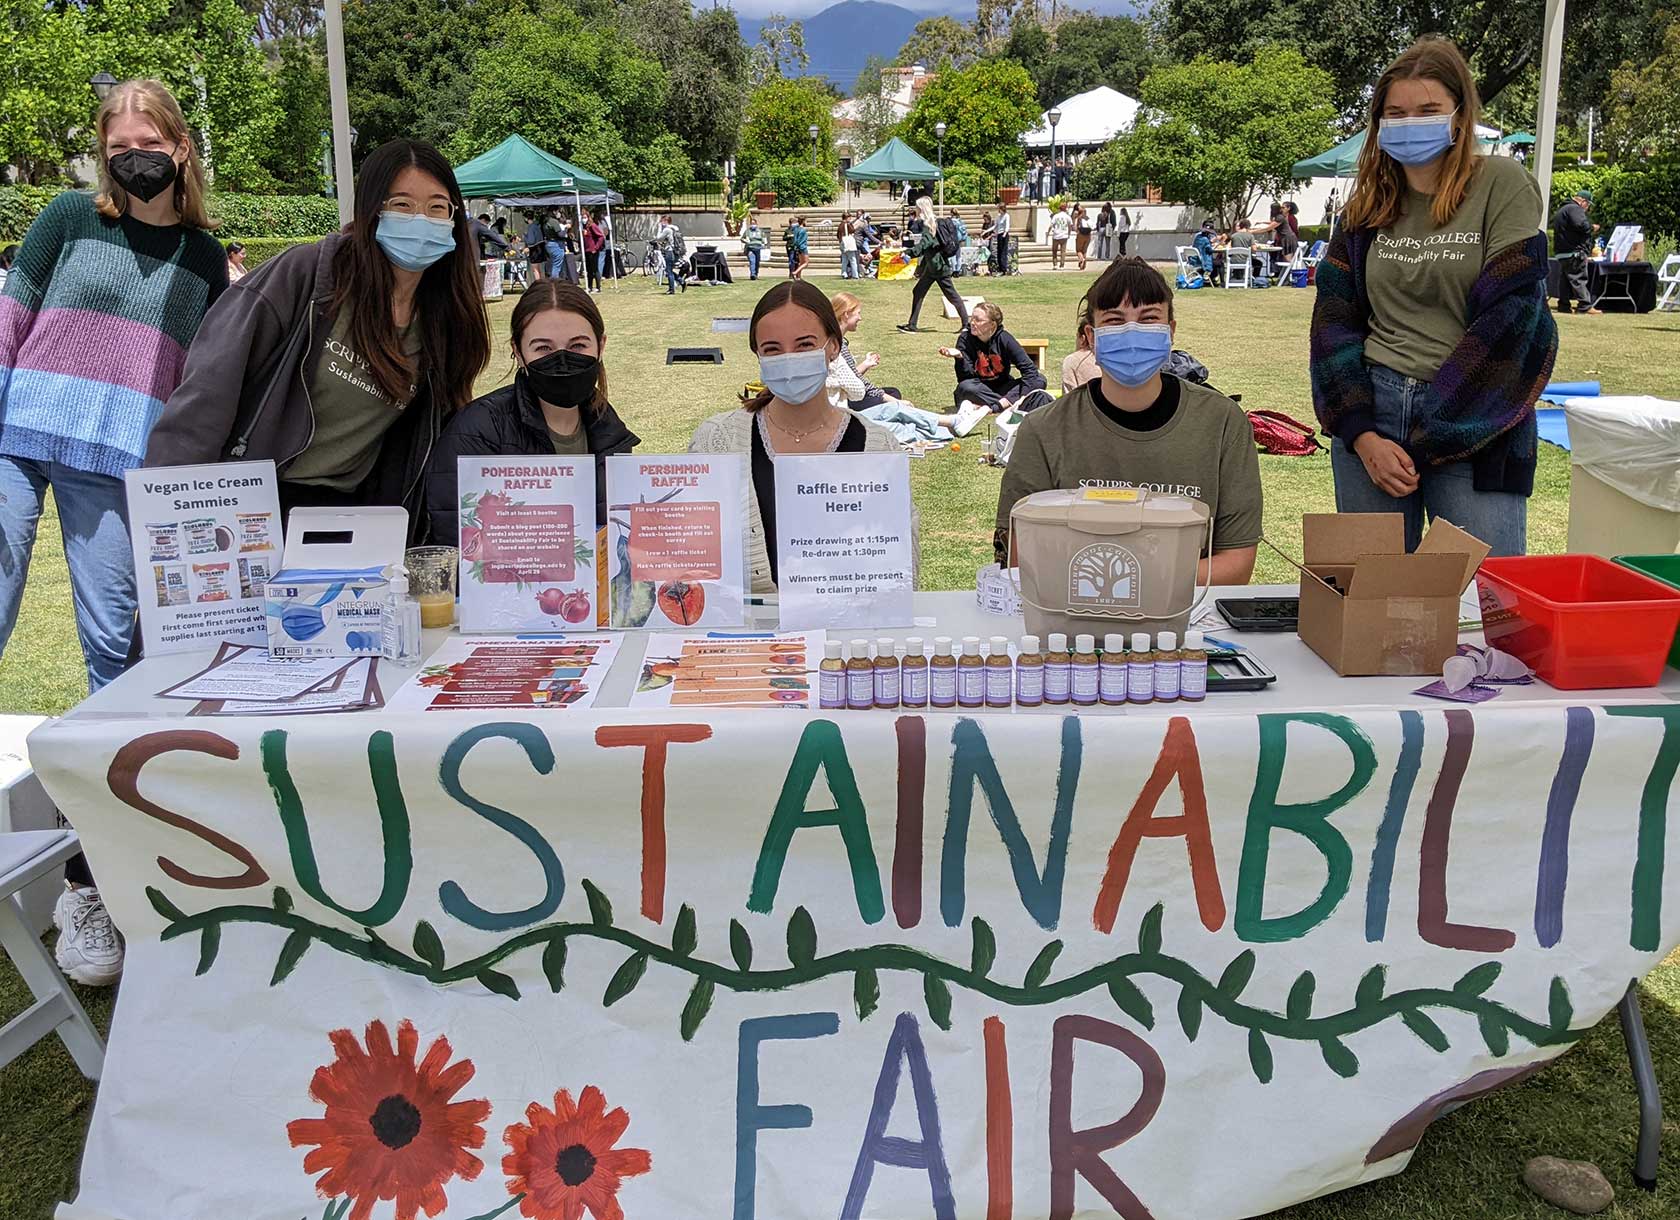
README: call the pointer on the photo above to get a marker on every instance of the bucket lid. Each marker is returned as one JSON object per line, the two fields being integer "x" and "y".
{"x": 1110, "y": 510}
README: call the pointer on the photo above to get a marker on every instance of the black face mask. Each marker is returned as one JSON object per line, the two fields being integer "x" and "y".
{"x": 564, "y": 378}
{"x": 144, "y": 173}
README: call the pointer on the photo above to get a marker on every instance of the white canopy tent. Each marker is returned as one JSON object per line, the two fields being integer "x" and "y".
{"x": 1088, "y": 120}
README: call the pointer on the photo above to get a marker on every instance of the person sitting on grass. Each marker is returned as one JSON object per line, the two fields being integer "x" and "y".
{"x": 1138, "y": 426}
{"x": 849, "y": 377}
{"x": 994, "y": 372}
{"x": 1080, "y": 365}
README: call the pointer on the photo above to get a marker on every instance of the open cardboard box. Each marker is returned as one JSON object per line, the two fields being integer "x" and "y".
{"x": 1367, "y": 607}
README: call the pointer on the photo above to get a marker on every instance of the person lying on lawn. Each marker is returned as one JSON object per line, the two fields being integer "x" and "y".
{"x": 1138, "y": 426}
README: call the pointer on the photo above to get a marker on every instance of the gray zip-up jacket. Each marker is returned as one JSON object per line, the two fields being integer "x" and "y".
{"x": 244, "y": 395}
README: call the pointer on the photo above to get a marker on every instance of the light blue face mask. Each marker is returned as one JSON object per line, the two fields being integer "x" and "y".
{"x": 1418, "y": 140}
{"x": 1134, "y": 352}
{"x": 794, "y": 377}
{"x": 414, "y": 242}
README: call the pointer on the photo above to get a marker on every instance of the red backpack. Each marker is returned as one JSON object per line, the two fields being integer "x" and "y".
{"x": 1282, "y": 435}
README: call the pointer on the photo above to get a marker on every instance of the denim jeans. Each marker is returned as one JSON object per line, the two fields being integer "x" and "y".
{"x": 907, "y": 423}
{"x": 849, "y": 264}
{"x": 1448, "y": 493}
{"x": 603, "y": 263}
{"x": 754, "y": 254}
{"x": 93, "y": 517}
{"x": 671, "y": 273}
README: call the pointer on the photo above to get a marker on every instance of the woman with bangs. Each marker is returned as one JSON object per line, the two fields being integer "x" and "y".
{"x": 1430, "y": 335}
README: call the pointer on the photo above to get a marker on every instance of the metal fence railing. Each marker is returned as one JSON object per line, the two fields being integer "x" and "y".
{"x": 703, "y": 195}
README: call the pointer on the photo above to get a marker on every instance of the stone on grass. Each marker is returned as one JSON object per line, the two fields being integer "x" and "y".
{"x": 1575, "y": 1186}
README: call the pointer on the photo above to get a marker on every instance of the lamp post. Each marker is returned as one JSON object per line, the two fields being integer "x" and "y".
{"x": 813, "y": 132}
{"x": 1055, "y": 117}
{"x": 939, "y": 134}
{"x": 103, "y": 83}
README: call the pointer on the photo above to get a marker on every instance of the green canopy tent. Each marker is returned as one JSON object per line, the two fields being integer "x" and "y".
{"x": 518, "y": 167}
{"x": 894, "y": 161}
{"x": 1518, "y": 137}
{"x": 1338, "y": 162}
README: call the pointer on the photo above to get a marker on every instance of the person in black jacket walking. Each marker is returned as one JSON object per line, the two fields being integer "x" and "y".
{"x": 556, "y": 404}
{"x": 934, "y": 267}
{"x": 993, "y": 369}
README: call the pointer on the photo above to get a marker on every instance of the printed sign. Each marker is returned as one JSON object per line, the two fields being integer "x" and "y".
{"x": 206, "y": 539}
{"x": 527, "y": 672}
{"x": 844, "y": 549}
{"x": 676, "y": 532}
{"x": 729, "y": 964}
{"x": 726, "y": 670}
{"x": 528, "y": 543}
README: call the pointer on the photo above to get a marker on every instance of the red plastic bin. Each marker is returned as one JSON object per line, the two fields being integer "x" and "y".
{"x": 1579, "y": 621}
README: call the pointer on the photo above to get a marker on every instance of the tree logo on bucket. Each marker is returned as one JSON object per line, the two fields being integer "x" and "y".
{"x": 1105, "y": 575}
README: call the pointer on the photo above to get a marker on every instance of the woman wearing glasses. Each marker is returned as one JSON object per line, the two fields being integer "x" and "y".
{"x": 343, "y": 359}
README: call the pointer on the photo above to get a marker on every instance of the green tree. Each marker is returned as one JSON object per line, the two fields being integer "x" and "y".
{"x": 985, "y": 107}
{"x": 873, "y": 117}
{"x": 1217, "y": 135}
{"x": 779, "y": 116}
{"x": 1085, "y": 51}
{"x": 706, "y": 64}
{"x": 1643, "y": 110}
{"x": 941, "y": 43}
{"x": 994, "y": 19}
{"x": 294, "y": 155}
{"x": 780, "y": 50}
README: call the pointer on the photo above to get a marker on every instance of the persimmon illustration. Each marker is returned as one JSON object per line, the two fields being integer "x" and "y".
{"x": 682, "y": 601}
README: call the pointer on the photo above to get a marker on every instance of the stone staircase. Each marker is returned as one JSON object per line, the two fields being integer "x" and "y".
{"x": 823, "y": 228}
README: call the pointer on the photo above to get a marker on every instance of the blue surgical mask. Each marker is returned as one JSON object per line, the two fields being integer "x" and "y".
{"x": 1134, "y": 352}
{"x": 414, "y": 242}
{"x": 1418, "y": 140}
{"x": 794, "y": 377}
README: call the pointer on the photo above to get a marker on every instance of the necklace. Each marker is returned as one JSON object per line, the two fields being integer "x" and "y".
{"x": 797, "y": 436}
{"x": 764, "y": 425}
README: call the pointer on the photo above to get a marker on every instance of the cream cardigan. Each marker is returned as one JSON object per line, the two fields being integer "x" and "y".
{"x": 731, "y": 432}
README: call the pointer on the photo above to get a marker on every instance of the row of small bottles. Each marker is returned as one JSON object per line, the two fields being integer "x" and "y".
{"x": 902, "y": 675}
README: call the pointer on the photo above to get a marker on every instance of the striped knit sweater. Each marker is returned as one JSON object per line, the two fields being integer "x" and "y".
{"x": 95, "y": 322}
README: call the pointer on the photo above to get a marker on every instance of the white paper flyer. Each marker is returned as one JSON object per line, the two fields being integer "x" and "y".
{"x": 676, "y": 539}
{"x": 528, "y": 544}
{"x": 844, "y": 550}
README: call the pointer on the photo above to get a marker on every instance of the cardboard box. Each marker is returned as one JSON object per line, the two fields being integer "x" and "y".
{"x": 1367, "y": 607}
{"x": 328, "y": 598}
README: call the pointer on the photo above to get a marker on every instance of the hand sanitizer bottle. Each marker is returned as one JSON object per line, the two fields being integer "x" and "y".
{"x": 400, "y": 624}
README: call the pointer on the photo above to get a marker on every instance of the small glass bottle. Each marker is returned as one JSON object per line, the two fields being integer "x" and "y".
{"x": 1111, "y": 670}
{"x": 1166, "y": 667}
{"x": 1140, "y": 670}
{"x": 399, "y": 624}
{"x": 1058, "y": 666}
{"x": 886, "y": 673}
{"x": 1086, "y": 678}
{"x": 942, "y": 674}
{"x": 1000, "y": 673}
{"x": 831, "y": 677}
{"x": 1029, "y": 673}
{"x": 1193, "y": 667}
{"x": 971, "y": 674}
{"x": 860, "y": 677}
{"x": 915, "y": 673}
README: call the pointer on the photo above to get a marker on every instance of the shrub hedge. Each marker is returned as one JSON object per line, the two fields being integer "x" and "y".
{"x": 241, "y": 216}
{"x": 1648, "y": 195}
{"x": 796, "y": 185}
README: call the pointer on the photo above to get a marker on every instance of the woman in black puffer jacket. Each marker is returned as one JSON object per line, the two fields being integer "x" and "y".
{"x": 557, "y": 403}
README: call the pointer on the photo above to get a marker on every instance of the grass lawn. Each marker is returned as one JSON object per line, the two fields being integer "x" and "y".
{"x": 1255, "y": 345}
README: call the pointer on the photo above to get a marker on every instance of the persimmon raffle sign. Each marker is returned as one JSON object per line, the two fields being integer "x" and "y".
{"x": 771, "y": 967}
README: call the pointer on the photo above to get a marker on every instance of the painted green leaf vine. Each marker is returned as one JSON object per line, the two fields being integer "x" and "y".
{"x": 1198, "y": 996}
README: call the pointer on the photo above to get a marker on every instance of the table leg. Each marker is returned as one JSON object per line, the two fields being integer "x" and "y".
{"x": 1645, "y": 1082}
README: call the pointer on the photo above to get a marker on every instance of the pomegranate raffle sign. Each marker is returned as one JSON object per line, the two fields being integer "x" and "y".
{"x": 528, "y": 543}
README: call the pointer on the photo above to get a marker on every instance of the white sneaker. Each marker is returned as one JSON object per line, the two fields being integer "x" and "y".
{"x": 89, "y": 949}
{"x": 969, "y": 416}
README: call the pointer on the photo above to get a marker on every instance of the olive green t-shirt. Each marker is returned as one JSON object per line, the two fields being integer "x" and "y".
{"x": 1418, "y": 275}
{"x": 1205, "y": 451}
{"x": 566, "y": 446}
{"x": 352, "y": 412}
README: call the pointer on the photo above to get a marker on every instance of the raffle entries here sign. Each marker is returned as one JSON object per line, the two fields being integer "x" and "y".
{"x": 527, "y": 543}
{"x": 206, "y": 539}
{"x": 843, "y": 551}
{"x": 676, "y": 528}
{"x": 788, "y": 967}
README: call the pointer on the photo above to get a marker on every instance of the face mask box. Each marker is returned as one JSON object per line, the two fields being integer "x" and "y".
{"x": 1367, "y": 607}
{"x": 329, "y": 595}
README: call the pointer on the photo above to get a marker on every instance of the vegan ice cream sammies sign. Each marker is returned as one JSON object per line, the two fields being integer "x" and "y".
{"x": 879, "y": 967}
{"x": 676, "y": 535}
{"x": 206, "y": 539}
{"x": 528, "y": 543}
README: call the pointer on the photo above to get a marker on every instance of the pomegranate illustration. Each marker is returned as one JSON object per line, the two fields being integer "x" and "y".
{"x": 576, "y": 607}
{"x": 551, "y": 601}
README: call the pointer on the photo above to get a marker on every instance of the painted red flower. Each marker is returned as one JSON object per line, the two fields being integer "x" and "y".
{"x": 391, "y": 1130}
{"x": 563, "y": 1160}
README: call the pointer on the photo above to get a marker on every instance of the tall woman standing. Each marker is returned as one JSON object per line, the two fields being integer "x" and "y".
{"x": 1430, "y": 335}
{"x": 933, "y": 267}
{"x": 106, "y": 294}
{"x": 108, "y": 291}
{"x": 343, "y": 359}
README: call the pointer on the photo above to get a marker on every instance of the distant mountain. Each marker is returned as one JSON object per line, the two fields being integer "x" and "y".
{"x": 841, "y": 38}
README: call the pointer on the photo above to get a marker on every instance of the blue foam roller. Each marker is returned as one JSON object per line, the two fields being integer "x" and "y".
{"x": 1571, "y": 389}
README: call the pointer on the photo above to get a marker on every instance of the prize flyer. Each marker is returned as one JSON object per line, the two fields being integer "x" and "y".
{"x": 676, "y": 529}
{"x": 528, "y": 544}
{"x": 723, "y": 669}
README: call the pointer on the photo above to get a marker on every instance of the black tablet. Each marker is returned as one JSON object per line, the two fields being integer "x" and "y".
{"x": 1260, "y": 613}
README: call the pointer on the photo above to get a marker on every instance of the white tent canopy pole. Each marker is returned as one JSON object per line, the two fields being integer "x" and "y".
{"x": 1551, "y": 63}
{"x": 339, "y": 101}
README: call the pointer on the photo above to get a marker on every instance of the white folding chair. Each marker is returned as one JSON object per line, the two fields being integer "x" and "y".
{"x": 25, "y": 856}
{"x": 1186, "y": 269}
{"x": 1669, "y": 277}
{"x": 1239, "y": 261}
{"x": 1297, "y": 262}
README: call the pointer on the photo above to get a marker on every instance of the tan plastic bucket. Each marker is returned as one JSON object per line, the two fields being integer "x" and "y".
{"x": 1105, "y": 559}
